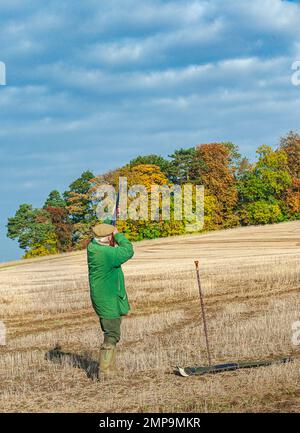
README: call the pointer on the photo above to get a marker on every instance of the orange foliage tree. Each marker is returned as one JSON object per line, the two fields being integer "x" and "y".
{"x": 291, "y": 146}
{"x": 218, "y": 178}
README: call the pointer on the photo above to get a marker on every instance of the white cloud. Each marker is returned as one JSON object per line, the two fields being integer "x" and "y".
{"x": 248, "y": 72}
{"x": 269, "y": 15}
{"x": 136, "y": 15}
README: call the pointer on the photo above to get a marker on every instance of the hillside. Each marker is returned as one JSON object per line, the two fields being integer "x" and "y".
{"x": 251, "y": 280}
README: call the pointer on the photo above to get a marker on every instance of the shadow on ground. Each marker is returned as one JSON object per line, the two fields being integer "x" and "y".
{"x": 83, "y": 362}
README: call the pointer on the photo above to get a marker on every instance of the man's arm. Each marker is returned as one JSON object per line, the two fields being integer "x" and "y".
{"x": 123, "y": 252}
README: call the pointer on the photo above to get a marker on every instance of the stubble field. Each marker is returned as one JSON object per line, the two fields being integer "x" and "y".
{"x": 251, "y": 280}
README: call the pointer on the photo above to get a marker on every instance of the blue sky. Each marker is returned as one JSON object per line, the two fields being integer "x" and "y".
{"x": 92, "y": 84}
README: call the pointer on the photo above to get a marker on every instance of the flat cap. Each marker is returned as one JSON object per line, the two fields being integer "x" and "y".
{"x": 102, "y": 230}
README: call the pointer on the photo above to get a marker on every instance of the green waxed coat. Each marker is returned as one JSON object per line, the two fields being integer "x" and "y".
{"x": 106, "y": 278}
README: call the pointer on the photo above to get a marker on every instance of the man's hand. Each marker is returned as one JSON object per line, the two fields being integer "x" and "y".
{"x": 115, "y": 231}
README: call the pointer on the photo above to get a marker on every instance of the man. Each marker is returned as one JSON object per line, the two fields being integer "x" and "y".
{"x": 107, "y": 287}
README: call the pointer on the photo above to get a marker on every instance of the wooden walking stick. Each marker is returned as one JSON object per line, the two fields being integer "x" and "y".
{"x": 200, "y": 369}
{"x": 203, "y": 312}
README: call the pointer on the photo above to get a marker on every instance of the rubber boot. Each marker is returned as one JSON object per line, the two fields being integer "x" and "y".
{"x": 107, "y": 356}
{"x": 113, "y": 362}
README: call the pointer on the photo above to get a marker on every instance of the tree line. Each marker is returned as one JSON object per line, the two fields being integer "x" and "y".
{"x": 237, "y": 193}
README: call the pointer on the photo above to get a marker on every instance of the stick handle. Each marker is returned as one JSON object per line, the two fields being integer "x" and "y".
{"x": 203, "y": 311}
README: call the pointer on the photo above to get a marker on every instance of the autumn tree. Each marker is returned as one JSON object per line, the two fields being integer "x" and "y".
{"x": 150, "y": 175}
{"x": 269, "y": 177}
{"x": 63, "y": 227}
{"x": 56, "y": 208}
{"x": 78, "y": 200}
{"x": 80, "y": 208}
{"x": 33, "y": 230}
{"x": 217, "y": 175}
{"x": 290, "y": 144}
{"x": 145, "y": 175}
{"x": 261, "y": 190}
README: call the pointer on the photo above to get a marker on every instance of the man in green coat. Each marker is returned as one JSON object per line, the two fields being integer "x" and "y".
{"x": 106, "y": 253}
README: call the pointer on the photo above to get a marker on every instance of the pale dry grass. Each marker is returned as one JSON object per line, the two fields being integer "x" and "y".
{"x": 251, "y": 280}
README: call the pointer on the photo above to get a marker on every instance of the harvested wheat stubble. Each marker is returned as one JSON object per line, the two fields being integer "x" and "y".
{"x": 251, "y": 282}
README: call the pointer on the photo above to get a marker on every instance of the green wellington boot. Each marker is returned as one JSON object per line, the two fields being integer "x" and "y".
{"x": 107, "y": 359}
{"x": 113, "y": 362}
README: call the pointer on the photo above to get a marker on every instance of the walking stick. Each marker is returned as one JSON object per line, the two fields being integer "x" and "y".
{"x": 203, "y": 312}
{"x": 200, "y": 369}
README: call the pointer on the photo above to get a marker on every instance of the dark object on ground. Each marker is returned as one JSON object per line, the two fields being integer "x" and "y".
{"x": 200, "y": 370}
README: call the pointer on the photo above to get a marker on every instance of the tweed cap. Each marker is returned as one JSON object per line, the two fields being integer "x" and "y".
{"x": 102, "y": 230}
